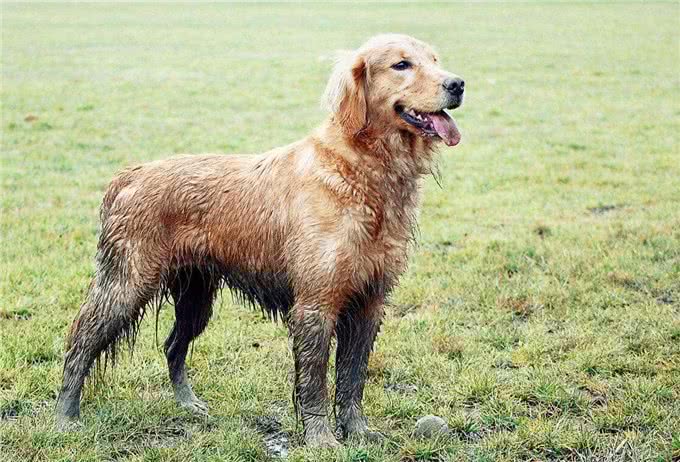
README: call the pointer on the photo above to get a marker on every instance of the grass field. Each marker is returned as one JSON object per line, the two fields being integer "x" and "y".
{"x": 541, "y": 313}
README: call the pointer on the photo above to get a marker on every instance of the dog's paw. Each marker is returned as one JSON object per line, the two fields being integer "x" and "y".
{"x": 364, "y": 435}
{"x": 322, "y": 441}
{"x": 356, "y": 429}
{"x": 186, "y": 399}
{"x": 320, "y": 436}
{"x": 195, "y": 406}
{"x": 67, "y": 424}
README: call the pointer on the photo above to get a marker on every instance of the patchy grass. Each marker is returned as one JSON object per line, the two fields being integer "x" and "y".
{"x": 541, "y": 313}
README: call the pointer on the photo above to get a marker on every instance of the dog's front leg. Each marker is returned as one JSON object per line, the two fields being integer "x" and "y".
{"x": 356, "y": 331}
{"x": 311, "y": 330}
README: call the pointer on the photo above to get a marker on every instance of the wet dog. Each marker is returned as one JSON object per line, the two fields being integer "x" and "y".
{"x": 316, "y": 233}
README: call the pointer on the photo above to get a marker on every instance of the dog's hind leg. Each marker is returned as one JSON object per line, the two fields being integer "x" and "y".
{"x": 112, "y": 309}
{"x": 193, "y": 293}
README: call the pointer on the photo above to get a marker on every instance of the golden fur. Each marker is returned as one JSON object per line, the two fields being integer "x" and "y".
{"x": 320, "y": 226}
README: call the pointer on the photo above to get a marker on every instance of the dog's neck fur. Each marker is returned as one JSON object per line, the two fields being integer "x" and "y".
{"x": 384, "y": 152}
{"x": 379, "y": 171}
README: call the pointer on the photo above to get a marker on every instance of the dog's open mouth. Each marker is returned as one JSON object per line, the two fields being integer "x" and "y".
{"x": 432, "y": 124}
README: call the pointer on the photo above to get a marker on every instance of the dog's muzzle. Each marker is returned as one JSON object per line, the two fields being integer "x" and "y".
{"x": 454, "y": 89}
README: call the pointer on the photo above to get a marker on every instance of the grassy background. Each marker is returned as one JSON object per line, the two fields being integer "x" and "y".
{"x": 541, "y": 313}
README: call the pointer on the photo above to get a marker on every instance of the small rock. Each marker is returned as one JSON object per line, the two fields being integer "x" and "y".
{"x": 431, "y": 426}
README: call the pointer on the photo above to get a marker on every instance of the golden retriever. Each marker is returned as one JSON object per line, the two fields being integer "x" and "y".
{"x": 316, "y": 232}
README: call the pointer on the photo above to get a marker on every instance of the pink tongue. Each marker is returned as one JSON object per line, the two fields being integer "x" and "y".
{"x": 445, "y": 128}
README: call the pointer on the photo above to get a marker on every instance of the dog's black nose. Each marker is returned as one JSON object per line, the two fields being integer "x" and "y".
{"x": 454, "y": 86}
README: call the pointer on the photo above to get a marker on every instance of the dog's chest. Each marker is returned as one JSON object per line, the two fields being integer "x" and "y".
{"x": 381, "y": 224}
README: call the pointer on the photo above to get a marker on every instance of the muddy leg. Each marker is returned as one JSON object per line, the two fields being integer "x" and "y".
{"x": 356, "y": 332}
{"x": 311, "y": 332}
{"x": 193, "y": 296}
{"x": 109, "y": 313}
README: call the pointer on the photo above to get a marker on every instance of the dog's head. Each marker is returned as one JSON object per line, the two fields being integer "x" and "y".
{"x": 394, "y": 82}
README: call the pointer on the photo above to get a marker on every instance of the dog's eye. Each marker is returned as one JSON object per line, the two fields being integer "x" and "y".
{"x": 401, "y": 66}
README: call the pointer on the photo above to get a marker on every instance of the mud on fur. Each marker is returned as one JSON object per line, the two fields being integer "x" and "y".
{"x": 316, "y": 233}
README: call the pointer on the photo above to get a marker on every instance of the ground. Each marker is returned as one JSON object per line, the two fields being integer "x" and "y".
{"x": 540, "y": 316}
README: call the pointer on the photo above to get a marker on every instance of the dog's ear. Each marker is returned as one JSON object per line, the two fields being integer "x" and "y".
{"x": 345, "y": 95}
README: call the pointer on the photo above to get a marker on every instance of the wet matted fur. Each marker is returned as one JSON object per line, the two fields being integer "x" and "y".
{"x": 316, "y": 233}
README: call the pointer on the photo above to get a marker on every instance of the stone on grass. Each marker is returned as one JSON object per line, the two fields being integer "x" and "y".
{"x": 431, "y": 426}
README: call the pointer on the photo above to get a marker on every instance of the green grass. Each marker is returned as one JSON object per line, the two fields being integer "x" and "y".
{"x": 541, "y": 313}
